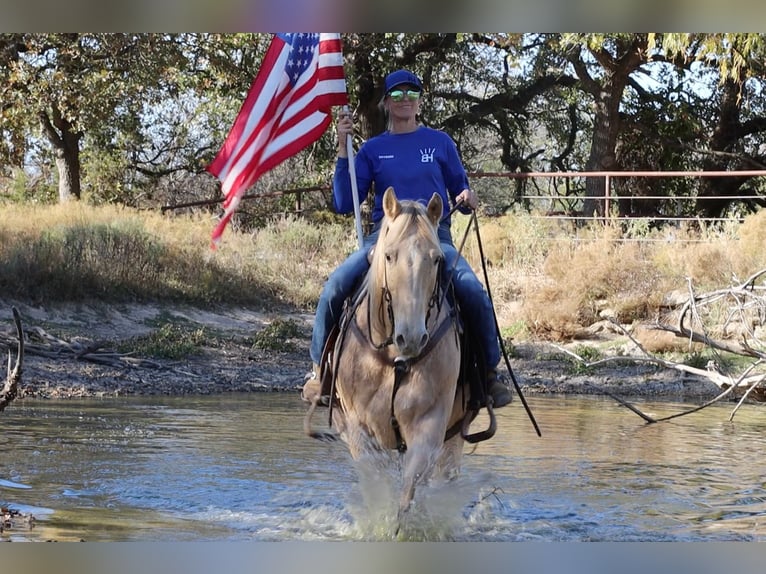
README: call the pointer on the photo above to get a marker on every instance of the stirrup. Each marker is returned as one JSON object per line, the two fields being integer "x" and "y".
{"x": 480, "y": 436}
{"x": 312, "y": 379}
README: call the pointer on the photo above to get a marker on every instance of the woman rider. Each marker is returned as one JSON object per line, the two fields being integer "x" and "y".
{"x": 416, "y": 161}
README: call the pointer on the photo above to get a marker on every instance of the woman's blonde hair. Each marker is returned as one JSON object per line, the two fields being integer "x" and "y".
{"x": 382, "y": 107}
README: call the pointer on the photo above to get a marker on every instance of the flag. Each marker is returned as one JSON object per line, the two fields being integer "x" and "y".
{"x": 287, "y": 109}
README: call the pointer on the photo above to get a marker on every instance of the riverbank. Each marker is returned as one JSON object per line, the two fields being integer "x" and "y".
{"x": 227, "y": 360}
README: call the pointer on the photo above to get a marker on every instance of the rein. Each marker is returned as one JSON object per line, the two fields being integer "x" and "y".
{"x": 402, "y": 366}
{"x": 475, "y": 223}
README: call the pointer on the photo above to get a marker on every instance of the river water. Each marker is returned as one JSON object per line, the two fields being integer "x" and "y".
{"x": 238, "y": 467}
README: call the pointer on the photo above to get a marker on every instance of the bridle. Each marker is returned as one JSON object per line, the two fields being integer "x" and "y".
{"x": 435, "y": 300}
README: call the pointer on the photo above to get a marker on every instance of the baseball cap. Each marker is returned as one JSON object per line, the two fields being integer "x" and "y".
{"x": 400, "y": 77}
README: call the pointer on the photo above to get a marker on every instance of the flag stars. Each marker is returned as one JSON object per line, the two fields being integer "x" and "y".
{"x": 300, "y": 57}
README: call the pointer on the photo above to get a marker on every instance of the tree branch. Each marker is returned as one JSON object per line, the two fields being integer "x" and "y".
{"x": 11, "y": 388}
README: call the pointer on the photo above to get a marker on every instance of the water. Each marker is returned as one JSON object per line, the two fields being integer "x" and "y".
{"x": 238, "y": 467}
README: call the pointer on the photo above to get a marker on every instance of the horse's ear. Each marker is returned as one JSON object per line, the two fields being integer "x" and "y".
{"x": 435, "y": 208}
{"x": 391, "y": 205}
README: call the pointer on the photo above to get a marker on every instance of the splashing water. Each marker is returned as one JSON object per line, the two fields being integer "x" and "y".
{"x": 239, "y": 468}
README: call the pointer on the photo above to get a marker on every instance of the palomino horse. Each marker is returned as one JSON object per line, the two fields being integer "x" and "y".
{"x": 397, "y": 359}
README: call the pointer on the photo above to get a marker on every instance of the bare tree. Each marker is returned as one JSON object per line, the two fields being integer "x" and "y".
{"x": 727, "y": 321}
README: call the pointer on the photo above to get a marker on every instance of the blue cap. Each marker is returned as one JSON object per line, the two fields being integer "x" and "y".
{"x": 402, "y": 77}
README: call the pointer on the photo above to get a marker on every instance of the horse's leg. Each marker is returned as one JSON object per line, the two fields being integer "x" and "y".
{"x": 422, "y": 450}
{"x": 447, "y": 465}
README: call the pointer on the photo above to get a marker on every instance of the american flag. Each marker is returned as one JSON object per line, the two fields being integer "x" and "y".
{"x": 287, "y": 109}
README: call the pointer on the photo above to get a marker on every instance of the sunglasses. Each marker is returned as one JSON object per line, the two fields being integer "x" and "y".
{"x": 399, "y": 95}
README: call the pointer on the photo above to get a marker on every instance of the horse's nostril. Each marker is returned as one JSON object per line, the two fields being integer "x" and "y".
{"x": 423, "y": 340}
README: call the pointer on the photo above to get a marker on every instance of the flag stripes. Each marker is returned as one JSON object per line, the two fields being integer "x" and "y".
{"x": 286, "y": 109}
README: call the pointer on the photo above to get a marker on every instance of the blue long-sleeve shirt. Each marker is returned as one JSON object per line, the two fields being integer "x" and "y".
{"x": 415, "y": 164}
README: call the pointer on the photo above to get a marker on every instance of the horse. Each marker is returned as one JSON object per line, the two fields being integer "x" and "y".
{"x": 397, "y": 359}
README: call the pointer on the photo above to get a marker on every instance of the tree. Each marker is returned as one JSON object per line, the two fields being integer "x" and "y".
{"x": 603, "y": 64}
{"x": 731, "y": 135}
{"x": 136, "y": 118}
{"x": 72, "y": 83}
{"x": 99, "y": 87}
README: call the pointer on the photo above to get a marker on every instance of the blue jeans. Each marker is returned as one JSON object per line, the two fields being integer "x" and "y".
{"x": 476, "y": 307}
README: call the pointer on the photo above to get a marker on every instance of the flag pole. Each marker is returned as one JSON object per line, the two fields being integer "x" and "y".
{"x": 354, "y": 187}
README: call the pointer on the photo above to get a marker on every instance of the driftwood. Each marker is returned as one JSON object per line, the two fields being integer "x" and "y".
{"x": 40, "y": 343}
{"x": 43, "y": 344}
{"x": 744, "y": 306}
{"x": 11, "y": 387}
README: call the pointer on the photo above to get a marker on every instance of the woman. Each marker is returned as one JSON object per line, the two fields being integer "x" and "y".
{"x": 416, "y": 161}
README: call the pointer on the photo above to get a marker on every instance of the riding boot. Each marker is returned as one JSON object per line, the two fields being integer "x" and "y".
{"x": 312, "y": 387}
{"x": 498, "y": 388}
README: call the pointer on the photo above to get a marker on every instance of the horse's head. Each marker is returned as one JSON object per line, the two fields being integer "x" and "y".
{"x": 405, "y": 271}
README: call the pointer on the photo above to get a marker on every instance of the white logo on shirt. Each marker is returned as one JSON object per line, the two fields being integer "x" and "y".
{"x": 427, "y": 155}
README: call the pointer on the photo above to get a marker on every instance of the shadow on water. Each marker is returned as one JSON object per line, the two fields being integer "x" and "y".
{"x": 238, "y": 467}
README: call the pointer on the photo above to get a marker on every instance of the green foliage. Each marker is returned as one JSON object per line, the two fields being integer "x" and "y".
{"x": 115, "y": 94}
{"x": 698, "y": 360}
{"x": 277, "y": 336}
{"x": 25, "y": 188}
{"x": 516, "y": 330}
{"x": 588, "y": 354}
{"x": 169, "y": 341}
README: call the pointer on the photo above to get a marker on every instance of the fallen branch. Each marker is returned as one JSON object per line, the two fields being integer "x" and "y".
{"x": 740, "y": 294}
{"x": 55, "y": 348}
{"x": 11, "y": 387}
{"x": 722, "y": 381}
{"x": 744, "y": 396}
{"x": 719, "y": 397}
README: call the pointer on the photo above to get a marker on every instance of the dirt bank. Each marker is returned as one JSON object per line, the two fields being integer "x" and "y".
{"x": 57, "y": 364}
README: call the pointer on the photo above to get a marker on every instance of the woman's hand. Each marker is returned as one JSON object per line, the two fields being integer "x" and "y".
{"x": 345, "y": 127}
{"x": 468, "y": 197}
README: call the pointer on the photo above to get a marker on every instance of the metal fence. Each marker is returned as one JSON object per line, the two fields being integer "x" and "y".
{"x": 565, "y": 207}
{"x": 555, "y": 205}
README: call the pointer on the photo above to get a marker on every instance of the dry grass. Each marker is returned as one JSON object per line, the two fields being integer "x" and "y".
{"x": 548, "y": 279}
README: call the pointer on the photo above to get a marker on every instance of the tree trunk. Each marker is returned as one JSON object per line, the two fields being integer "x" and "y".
{"x": 607, "y": 92}
{"x": 66, "y": 147}
{"x": 606, "y": 125}
{"x": 725, "y": 138}
{"x": 68, "y": 164}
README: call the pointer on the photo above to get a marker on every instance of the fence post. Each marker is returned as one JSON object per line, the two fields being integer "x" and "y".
{"x": 607, "y": 195}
